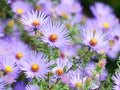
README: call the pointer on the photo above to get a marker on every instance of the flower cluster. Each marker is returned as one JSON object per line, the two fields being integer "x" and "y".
{"x": 52, "y": 45}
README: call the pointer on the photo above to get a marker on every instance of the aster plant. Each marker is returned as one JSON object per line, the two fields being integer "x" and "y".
{"x": 53, "y": 45}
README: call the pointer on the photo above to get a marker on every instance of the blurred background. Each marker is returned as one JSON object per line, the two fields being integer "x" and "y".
{"x": 115, "y": 4}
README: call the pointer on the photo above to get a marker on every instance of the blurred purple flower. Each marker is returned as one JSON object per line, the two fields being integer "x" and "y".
{"x": 20, "y": 7}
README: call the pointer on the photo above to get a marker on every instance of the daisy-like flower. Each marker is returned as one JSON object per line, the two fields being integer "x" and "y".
{"x": 107, "y": 22}
{"x": 20, "y": 7}
{"x": 116, "y": 80}
{"x": 55, "y": 34}
{"x": 58, "y": 70}
{"x": 31, "y": 87}
{"x": 35, "y": 66}
{"x": 76, "y": 79}
{"x": 34, "y": 19}
{"x": 94, "y": 38}
{"x": 9, "y": 79}
{"x": 9, "y": 66}
{"x": 100, "y": 10}
{"x": 20, "y": 50}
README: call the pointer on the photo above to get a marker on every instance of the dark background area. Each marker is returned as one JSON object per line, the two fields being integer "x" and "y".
{"x": 115, "y": 4}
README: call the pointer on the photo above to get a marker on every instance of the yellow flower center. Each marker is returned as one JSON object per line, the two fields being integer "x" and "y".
{"x": 19, "y": 55}
{"x": 78, "y": 84}
{"x": 8, "y": 69}
{"x": 53, "y": 38}
{"x": 59, "y": 72}
{"x": 35, "y": 67}
{"x": 36, "y": 23}
{"x": 93, "y": 42}
{"x": 64, "y": 15}
{"x": 111, "y": 42}
{"x": 20, "y": 11}
{"x": 106, "y": 25}
{"x": 11, "y": 23}
{"x": 68, "y": 25}
{"x": 39, "y": 8}
{"x": 102, "y": 51}
{"x": 88, "y": 79}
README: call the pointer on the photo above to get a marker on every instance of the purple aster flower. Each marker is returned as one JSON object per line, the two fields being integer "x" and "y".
{"x": 116, "y": 34}
{"x": 103, "y": 49}
{"x": 116, "y": 80}
{"x": 34, "y": 19}
{"x": 31, "y": 87}
{"x": 72, "y": 51}
{"x": 63, "y": 11}
{"x": 73, "y": 5}
{"x": 9, "y": 66}
{"x": 92, "y": 23}
{"x": 94, "y": 38}
{"x": 46, "y": 6}
{"x": 5, "y": 48}
{"x": 9, "y": 79}
{"x": 20, "y": 7}
{"x": 114, "y": 48}
{"x": 90, "y": 69}
{"x": 65, "y": 78}
{"x": 101, "y": 10}
{"x": 20, "y": 86}
{"x": 58, "y": 70}
{"x": 35, "y": 66}
{"x": 107, "y": 22}
{"x": 20, "y": 50}
{"x": 55, "y": 35}
{"x": 65, "y": 55}
{"x": 76, "y": 79}
{"x": 2, "y": 84}
{"x": 103, "y": 75}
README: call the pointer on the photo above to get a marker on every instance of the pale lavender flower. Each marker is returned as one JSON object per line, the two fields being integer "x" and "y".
{"x": 63, "y": 11}
{"x": 8, "y": 65}
{"x": 58, "y": 70}
{"x": 92, "y": 23}
{"x": 5, "y": 48}
{"x": 31, "y": 87}
{"x": 2, "y": 84}
{"x": 73, "y": 5}
{"x": 55, "y": 35}
{"x": 77, "y": 79}
{"x": 34, "y": 19}
{"x": 116, "y": 80}
{"x": 9, "y": 79}
{"x": 20, "y": 50}
{"x": 91, "y": 68}
{"x": 100, "y": 10}
{"x": 65, "y": 78}
{"x": 94, "y": 38}
{"x": 20, "y": 7}
{"x": 107, "y": 23}
{"x": 35, "y": 66}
